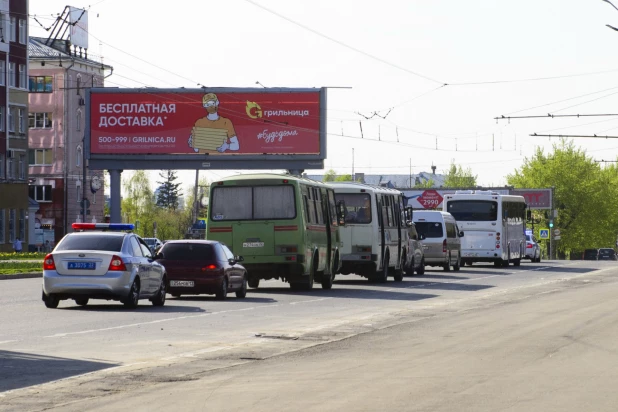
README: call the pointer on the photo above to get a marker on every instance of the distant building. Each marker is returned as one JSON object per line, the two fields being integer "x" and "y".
{"x": 17, "y": 213}
{"x": 60, "y": 181}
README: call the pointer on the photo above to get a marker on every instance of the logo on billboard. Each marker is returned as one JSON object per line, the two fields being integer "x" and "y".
{"x": 430, "y": 199}
{"x": 213, "y": 132}
{"x": 254, "y": 110}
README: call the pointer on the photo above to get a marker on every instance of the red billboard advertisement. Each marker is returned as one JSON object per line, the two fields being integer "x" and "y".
{"x": 214, "y": 123}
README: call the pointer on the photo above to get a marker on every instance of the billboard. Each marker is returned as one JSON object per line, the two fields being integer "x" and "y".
{"x": 432, "y": 198}
{"x": 78, "y": 19}
{"x": 535, "y": 198}
{"x": 219, "y": 123}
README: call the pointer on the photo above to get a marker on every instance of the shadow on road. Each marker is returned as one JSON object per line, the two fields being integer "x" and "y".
{"x": 436, "y": 276}
{"x": 20, "y": 370}
{"x": 231, "y": 298}
{"x": 341, "y": 292}
{"x": 466, "y": 287}
{"x": 120, "y": 308}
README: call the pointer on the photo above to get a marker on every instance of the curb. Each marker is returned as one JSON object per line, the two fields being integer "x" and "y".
{"x": 22, "y": 276}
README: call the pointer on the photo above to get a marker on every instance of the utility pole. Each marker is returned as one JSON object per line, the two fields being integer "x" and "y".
{"x": 196, "y": 204}
{"x": 353, "y": 177}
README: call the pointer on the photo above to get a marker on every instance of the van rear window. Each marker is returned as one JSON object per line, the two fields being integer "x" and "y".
{"x": 430, "y": 229}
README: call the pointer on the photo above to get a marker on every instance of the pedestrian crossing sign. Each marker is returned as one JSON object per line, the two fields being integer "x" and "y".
{"x": 543, "y": 233}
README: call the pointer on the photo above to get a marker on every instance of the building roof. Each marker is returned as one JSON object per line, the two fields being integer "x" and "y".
{"x": 57, "y": 49}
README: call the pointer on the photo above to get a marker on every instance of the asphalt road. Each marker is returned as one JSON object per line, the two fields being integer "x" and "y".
{"x": 536, "y": 337}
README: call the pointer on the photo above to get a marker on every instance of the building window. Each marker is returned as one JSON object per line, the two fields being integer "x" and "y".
{"x": 79, "y": 120}
{"x": 11, "y": 225}
{"x": 22, "y": 76}
{"x": 1, "y": 166}
{"x": 22, "y": 31}
{"x": 2, "y": 72}
{"x": 1, "y": 118}
{"x": 40, "y": 157}
{"x": 40, "y": 193}
{"x": 41, "y": 84}
{"x": 78, "y": 157}
{"x": 10, "y": 169}
{"x": 12, "y": 31}
{"x": 22, "y": 224}
{"x": 79, "y": 85}
{"x": 2, "y": 224}
{"x": 21, "y": 118}
{"x": 11, "y": 119}
{"x": 12, "y": 79}
{"x": 40, "y": 120}
{"x": 22, "y": 167}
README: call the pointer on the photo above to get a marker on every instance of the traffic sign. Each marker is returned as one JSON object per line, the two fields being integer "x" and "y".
{"x": 556, "y": 232}
{"x": 556, "y": 237}
{"x": 543, "y": 233}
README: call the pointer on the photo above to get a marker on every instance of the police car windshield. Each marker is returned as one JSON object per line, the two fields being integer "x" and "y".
{"x": 100, "y": 241}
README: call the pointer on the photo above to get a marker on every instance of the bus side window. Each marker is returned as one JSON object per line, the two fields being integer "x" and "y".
{"x": 319, "y": 206}
{"x": 332, "y": 207}
{"x": 307, "y": 214}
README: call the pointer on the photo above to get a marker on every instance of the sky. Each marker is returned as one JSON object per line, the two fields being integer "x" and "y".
{"x": 424, "y": 79}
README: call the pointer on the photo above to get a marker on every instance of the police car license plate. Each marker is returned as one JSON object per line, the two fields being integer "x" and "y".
{"x": 182, "y": 283}
{"x": 82, "y": 265}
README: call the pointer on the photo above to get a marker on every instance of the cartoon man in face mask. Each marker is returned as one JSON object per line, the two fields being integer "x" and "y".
{"x": 213, "y": 132}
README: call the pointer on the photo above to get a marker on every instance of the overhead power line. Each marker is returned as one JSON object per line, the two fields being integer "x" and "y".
{"x": 593, "y": 136}
{"x": 549, "y": 115}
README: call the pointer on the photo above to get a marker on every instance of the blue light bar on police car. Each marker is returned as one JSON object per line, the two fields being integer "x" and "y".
{"x": 103, "y": 226}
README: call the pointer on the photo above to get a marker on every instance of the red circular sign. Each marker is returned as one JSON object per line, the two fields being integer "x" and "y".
{"x": 430, "y": 199}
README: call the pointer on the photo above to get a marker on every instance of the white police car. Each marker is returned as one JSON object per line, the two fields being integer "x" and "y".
{"x": 102, "y": 261}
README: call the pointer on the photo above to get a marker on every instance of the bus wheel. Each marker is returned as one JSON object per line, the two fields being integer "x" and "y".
{"x": 421, "y": 268}
{"x": 253, "y": 283}
{"x": 498, "y": 263}
{"x": 457, "y": 265}
{"x": 398, "y": 275}
{"x": 383, "y": 275}
{"x": 517, "y": 262}
{"x": 505, "y": 263}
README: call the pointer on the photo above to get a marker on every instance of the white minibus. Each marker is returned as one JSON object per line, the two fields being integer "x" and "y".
{"x": 374, "y": 238}
{"x": 494, "y": 226}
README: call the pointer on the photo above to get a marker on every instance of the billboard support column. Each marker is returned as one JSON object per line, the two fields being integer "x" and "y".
{"x": 114, "y": 198}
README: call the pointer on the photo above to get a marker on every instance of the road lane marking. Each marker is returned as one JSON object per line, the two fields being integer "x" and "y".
{"x": 154, "y": 322}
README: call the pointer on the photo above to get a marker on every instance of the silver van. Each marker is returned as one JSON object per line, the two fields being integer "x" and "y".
{"x": 441, "y": 245}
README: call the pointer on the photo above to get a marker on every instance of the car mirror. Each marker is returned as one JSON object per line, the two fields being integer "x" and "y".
{"x": 461, "y": 234}
{"x": 408, "y": 223}
{"x": 421, "y": 237}
{"x": 232, "y": 261}
{"x": 240, "y": 258}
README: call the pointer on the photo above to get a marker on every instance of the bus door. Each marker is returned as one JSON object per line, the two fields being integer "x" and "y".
{"x": 505, "y": 229}
{"x": 381, "y": 229}
{"x": 400, "y": 230}
{"x": 328, "y": 197}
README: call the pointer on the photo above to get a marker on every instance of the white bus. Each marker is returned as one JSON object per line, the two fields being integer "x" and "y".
{"x": 494, "y": 226}
{"x": 374, "y": 238}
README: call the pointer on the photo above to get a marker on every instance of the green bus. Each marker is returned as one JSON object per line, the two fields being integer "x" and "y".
{"x": 285, "y": 227}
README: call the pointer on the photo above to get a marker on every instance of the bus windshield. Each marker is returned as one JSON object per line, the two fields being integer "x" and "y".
{"x": 253, "y": 203}
{"x": 358, "y": 207}
{"x": 473, "y": 210}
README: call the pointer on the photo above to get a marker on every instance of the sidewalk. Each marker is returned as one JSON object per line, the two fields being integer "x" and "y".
{"x": 22, "y": 276}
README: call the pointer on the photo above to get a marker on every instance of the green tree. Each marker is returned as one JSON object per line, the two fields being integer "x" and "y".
{"x": 332, "y": 176}
{"x": 457, "y": 176}
{"x": 425, "y": 185}
{"x": 169, "y": 191}
{"x": 329, "y": 176}
{"x": 584, "y": 195}
{"x": 138, "y": 203}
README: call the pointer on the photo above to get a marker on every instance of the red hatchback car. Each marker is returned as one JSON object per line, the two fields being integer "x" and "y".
{"x": 197, "y": 267}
